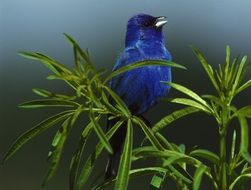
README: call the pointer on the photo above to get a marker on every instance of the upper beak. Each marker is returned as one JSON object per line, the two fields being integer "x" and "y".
{"x": 160, "y": 21}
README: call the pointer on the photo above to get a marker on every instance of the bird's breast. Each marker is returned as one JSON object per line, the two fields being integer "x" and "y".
{"x": 141, "y": 88}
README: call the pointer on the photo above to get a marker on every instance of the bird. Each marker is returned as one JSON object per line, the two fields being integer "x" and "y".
{"x": 140, "y": 88}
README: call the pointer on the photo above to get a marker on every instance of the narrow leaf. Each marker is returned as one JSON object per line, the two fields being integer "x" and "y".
{"x": 192, "y": 103}
{"x": 75, "y": 161}
{"x": 244, "y": 86}
{"x": 134, "y": 173}
{"x": 245, "y": 111}
{"x": 244, "y": 138}
{"x": 206, "y": 154}
{"x": 179, "y": 175}
{"x": 173, "y": 117}
{"x": 83, "y": 54}
{"x": 188, "y": 92}
{"x": 52, "y": 64}
{"x": 103, "y": 139}
{"x": 149, "y": 133}
{"x": 118, "y": 100}
{"x": 239, "y": 75}
{"x": 233, "y": 145}
{"x": 197, "y": 176}
{"x": 142, "y": 64}
{"x": 89, "y": 164}
{"x": 48, "y": 103}
{"x": 206, "y": 67}
{"x": 108, "y": 105}
{"x": 239, "y": 180}
{"x": 227, "y": 60}
{"x": 164, "y": 142}
{"x": 56, "y": 154}
{"x": 125, "y": 161}
{"x": 76, "y": 114}
{"x": 25, "y": 137}
{"x": 42, "y": 92}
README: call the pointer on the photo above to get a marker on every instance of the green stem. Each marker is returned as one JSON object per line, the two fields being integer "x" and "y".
{"x": 223, "y": 170}
{"x": 223, "y": 149}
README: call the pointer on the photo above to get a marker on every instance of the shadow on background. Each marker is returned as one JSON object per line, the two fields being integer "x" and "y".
{"x": 100, "y": 27}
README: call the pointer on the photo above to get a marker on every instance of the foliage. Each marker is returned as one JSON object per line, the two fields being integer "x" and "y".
{"x": 92, "y": 98}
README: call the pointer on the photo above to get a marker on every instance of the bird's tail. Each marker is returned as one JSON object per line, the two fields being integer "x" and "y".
{"x": 116, "y": 142}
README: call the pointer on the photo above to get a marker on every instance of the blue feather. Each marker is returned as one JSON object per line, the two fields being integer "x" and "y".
{"x": 140, "y": 88}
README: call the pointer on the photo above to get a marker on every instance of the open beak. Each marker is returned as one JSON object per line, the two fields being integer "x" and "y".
{"x": 160, "y": 21}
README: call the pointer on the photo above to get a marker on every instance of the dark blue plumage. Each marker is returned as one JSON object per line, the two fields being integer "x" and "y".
{"x": 139, "y": 88}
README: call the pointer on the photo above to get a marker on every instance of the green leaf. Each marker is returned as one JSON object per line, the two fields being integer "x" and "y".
{"x": 89, "y": 164}
{"x": 156, "y": 170}
{"x": 134, "y": 173}
{"x": 192, "y": 103}
{"x": 197, "y": 176}
{"x": 103, "y": 139}
{"x": 82, "y": 53}
{"x": 76, "y": 51}
{"x": 188, "y": 92}
{"x": 52, "y": 64}
{"x": 227, "y": 60}
{"x": 175, "y": 156}
{"x": 25, "y": 137}
{"x": 137, "y": 151}
{"x": 245, "y": 111}
{"x": 214, "y": 99}
{"x": 42, "y": 92}
{"x": 75, "y": 161}
{"x": 206, "y": 154}
{"x": 164, "y": 142}
{"x": 244, "y": 86}
{"x": 56, "y": 154}
{"x": 239, "y": 180}
{"x": 142, "y": 64}
{"x": 66, "y": 77}
{"x": 48, "y": 103}
{"x": 76, "y": 114}
{"x": 149, "y": 133}
{"x": 157, "y": 181}
{"x": 239, "y": 75}
{"x": 233, "y": 145}
{"x": 246, "y": 170}
{"x": 119, "y": 101}
{"x": 233, "y": 71}
{"x": 173, "y": 117}
{"x": 48, "y": 94}
{"x": 244, "y": 138}
{"x": 108, "y": 105}
{"x": 206, "y": 67}
{"x": 125, "y": 161}
{"x": 179, "y": 175}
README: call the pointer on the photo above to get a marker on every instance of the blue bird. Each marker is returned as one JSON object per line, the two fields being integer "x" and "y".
{"x": 140, "y": 88}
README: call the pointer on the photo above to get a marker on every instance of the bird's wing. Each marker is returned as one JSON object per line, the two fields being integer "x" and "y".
{"x": 129, "y": 55}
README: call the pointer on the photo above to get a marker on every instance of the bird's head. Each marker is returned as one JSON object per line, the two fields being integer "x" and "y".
{"x": 143, "y": 27}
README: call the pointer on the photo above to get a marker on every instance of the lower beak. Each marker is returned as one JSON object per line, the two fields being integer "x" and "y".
{"x": 160, "y": 21}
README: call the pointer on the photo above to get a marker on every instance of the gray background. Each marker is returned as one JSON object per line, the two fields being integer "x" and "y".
{"x": 100, "y": 27}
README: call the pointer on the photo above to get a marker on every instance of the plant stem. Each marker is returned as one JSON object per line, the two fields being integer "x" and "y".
{"x": 223, "y": 171}
{"x": 223, "y": 149}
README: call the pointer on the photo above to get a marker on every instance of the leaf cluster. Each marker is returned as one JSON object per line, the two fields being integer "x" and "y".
{"x": 94, "y": 98}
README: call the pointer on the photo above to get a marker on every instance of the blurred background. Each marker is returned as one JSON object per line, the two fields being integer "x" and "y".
{"x": 100, "y": 27}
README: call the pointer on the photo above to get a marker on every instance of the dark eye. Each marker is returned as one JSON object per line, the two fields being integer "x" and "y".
{"x": 146, "y": 24}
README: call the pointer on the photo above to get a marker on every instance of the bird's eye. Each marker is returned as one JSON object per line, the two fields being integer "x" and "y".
{"x": 146, "y": 24}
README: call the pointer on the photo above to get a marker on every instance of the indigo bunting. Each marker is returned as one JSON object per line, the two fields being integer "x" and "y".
{"x": 139, "y": 88}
